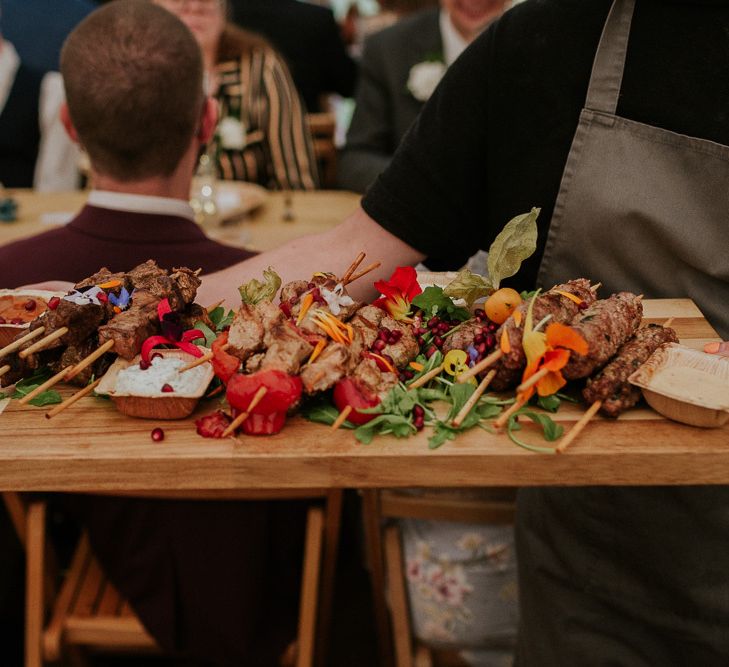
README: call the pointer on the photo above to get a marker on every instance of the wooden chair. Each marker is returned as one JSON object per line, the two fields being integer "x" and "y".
{"x": 88, "y": 613}
{"x": 323, "y": 126}
{"x": 385, "y": 556}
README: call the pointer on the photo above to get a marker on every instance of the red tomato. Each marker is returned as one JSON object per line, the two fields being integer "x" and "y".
{"x": 225, "y": 365}
{"x": 283, "y": 390}
{"x": 264, "y": 424}
{"x": 347, "y": 392}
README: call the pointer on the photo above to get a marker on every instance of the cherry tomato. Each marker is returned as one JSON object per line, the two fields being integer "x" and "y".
{"x": 348, "y": 392}
{"x": 501, "y": 304}
{"x": 225, "y": 365}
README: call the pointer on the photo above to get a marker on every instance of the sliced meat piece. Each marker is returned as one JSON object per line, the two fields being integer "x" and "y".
{"x": 271, "y": 314}
{"x": 406, "y": 349}
{"x": 187, "y": 282}
{"x": 368, "y": 374}
{"x": 328, "y": 368}
{"x": 130, "y": 328}
{"x": 367, "y": 321}
{"x": 245, "y": 336}
{"x": 286, "y": 349}
{"x": 193, "y": 314}
{"x": 103, "y": 275}
{"x": 253, "y": 363}
{"x": 463, "y": 336}
{"x": 293, "y": 291}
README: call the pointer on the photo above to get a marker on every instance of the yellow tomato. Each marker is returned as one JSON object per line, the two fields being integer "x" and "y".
{"x": 501, "y": 304}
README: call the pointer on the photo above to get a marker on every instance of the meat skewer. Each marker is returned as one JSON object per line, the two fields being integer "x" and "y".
{"x": 483, "y": 385}
{"x": 85, "y": 363}
{"x": 43, "y": 342}
{"x": 4, "y": 369}
{"x": 562, "y": 303}
{"x": 610, "y": 390}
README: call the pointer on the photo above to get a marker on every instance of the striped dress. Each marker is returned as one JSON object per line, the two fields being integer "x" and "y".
{"x": 278, "y": 151}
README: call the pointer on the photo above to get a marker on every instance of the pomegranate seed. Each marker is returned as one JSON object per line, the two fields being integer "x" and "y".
{"x": 17, "y": 320}
{"x": 143, "y": 365}
{"x": 379, "y": 345}
{"x": 167, "y": 388}
{"x": 383, "y": 334}
{"x": 419, "y": 423}
{"x": 490, "y": 340}
{"x": 433, "y": 321}
{"x": 431, "y": 351}
{"x": 101, "y": 296}
{"x": 2, "y": 320}
{"x": 418, "y": 411}
{"x": 391, "y": 340}
{"x": 311, "y": 286}
{"x": 158, "y": 435}
{"x": 53, "y": 302}
{"x": 438, "y": 340}
{"x": 409, "y": 375}
{"x": 443, "y": 327}
{"x": 478, "y": 338}
{"x": 480, "y": 313}
{"x": 388, "y": 358}
{"x": 29, "y": 304}
{"x": 582, "y": 305}
{"x": 396, "y": 334}
{"x": 421, "y": 341}
{"x": 481, "y": 348}
{"x": 492, "y": 326}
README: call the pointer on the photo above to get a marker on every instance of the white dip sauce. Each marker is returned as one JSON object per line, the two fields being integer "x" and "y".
{"x": 133, "y": 381}
{"x": 691, "y": 384}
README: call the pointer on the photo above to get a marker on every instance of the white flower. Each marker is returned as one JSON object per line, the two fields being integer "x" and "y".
{"x": 86, "y": 298}
{"x": 424, "y": 77}
{"x": 336, "y": 299}
{"x": 232, "y": 134}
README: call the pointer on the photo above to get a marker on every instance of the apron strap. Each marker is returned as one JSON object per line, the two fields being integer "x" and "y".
{"x": 607, "y": 68}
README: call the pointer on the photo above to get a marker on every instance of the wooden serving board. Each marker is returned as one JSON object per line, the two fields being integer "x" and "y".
{"x": 91, "y": 447}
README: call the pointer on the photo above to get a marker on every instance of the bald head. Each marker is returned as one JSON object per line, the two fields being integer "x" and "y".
{"x": 133, "y": 78}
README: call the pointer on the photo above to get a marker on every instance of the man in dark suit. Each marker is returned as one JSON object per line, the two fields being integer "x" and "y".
{"x": 309, "y": 38}
{"x": 401, "y": 65}
{"x": 195, "y": 572}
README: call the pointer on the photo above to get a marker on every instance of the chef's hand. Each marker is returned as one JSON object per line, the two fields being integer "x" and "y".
{"x": 718, "y": 348}
{"x": 51, "y": 285}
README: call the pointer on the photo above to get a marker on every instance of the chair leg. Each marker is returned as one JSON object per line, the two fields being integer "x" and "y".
{"x": 332, "y": 528}
{"x": 398, "y": 597}
{"x": 310, "y": 587}
{"x": 373, "y": 538}
{"x": 34, "y": 578}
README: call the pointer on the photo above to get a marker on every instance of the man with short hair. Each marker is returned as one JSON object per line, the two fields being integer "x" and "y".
{"x": 195, "y": 572}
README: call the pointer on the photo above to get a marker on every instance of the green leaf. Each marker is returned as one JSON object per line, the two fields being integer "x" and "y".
{"x": 219, "y": 318}
{"x": 551, "y": 430}
{"x": 26, "y": 385}
{"x": 255, "y": 291}
{"x": 49, "y": 397}
{"x": 549, "y": 403}
{"x": 210, "y": 335}
{"x": 397, "y": 425}
{"x": 321, "y": 411}
{"x": 469, "y": 286}
{"x": 433, "y": 301}
{"x": 516, "y": 241}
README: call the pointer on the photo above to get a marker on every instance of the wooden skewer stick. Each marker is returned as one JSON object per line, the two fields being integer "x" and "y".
{"x": 201, "y": 360}
{"x": 474, "y": 397}
{"x": 342, "y": 417}
{"x": 424, "y": 379}
{"x": 595, "y": 287}
{"x": 542, "y": 372}
{"x": 244, "y": 415}
{"x": 482, "y": 365}
{"x": 361, "y": 273}
{"x": 72, "y": 399}
{"x": 84, "y": 363}
{"x": 504, "y": 416}
{"x": 43, "y": 342}
{"x": 668, "y": 322}
{"x": 353, "y": 267}
{"x": 21, "y": 341}
{"x": 4, "y": 369}
{"x": 577, "y": 428}
{"x": 46, "y": 385}
{"x": 213, "y": 306}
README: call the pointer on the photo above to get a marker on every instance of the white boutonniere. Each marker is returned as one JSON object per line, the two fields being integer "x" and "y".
{"x": 424, "y": 77}
{"x": 232, "y": 134}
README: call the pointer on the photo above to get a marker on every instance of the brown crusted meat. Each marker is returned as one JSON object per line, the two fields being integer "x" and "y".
{"x": 245, "y": 336}
{"x": 372, "y": 379}
{"x": 286, "y": 348}
{"x": 367, "y": 322}
{"x": 292, "y": 291}
{"x": 151, "y": 278}
{"x": 130, "y": 328}
{"x": 193, "y": 314}
{"x": 611, "y": 384}
{"x": 406, "y": 349}
{"x": 103, "y": 275}
{"x": 187, "y": 282}
{"x": 605, "y": 326}
{"x": 82, "y": 321}
{"x": 463, "y": 336}
{"x": 561, "y": 308}
{"x": 76, "y": 353}
{"x": 328, "y": 368}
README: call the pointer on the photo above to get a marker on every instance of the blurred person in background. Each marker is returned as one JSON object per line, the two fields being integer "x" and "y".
{"x": 262, "y": 136}
{"x": 309, "y": 38}
{"x": 35, "y": 150}
{"x": 400, "y": 68}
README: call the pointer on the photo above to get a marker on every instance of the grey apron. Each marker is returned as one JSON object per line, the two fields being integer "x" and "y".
{"x": 631, "y": 576}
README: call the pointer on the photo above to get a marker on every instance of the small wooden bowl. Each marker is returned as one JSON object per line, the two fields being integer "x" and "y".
{"x": 158, "y": 406}
{"x": 678, "y": 402}
{"x": 9, "y": 331}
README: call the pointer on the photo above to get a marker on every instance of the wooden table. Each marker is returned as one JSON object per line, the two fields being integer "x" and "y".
{"x": 91, "y": 447}
{"x": 262, "y": 229}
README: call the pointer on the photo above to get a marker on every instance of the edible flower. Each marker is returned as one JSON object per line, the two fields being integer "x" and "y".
{"x": 336, "y": 298}
{"x": 337, "y": 330}
{"x": 88, "y": 297}
{"x": 456, "y": 362}
{"x": 398, "y": 293}
{"x": 120, "y": 301}
{"x": 550, "y": 350}
{"x": 172, "y": 333}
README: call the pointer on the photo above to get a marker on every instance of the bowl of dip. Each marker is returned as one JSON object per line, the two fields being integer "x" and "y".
{"x": 18, "y": 308}
{"x": 159, "y": 391}
{"x": 686, "y": 385}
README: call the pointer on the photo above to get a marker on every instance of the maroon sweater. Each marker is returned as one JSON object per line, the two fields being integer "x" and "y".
{"x": 119, "y": 240}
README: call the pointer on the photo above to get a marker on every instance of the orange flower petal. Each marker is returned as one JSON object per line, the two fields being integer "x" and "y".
{"x": 560, "y": 335}
{"x": 550, "y": 384}
{"x": 571, "y": 297}
{"x": 505, "y": 344}
{"x": 517, "y": 317}
{"x": 555, "y": 360}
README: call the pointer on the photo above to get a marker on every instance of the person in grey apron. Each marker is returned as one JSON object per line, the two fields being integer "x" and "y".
{"x": 631, "y": 576}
